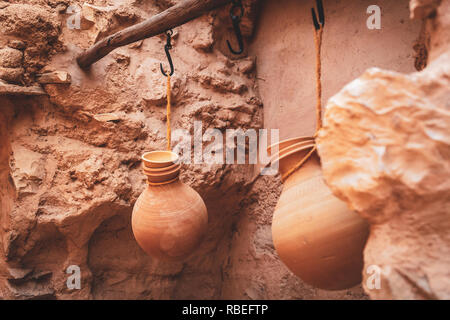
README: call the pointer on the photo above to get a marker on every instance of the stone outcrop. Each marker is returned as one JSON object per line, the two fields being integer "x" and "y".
{"x": 385, "y": 150}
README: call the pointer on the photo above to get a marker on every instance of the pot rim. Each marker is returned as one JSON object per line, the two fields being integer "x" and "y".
{"x": 277, "y": 157}
{"x": 305, "y": 138}
{"x": 171, "y": 158}
{"x": 294, "y": 146}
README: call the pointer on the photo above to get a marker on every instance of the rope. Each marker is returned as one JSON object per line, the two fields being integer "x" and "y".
{"x": 169, "y": 132}
{"x": 299, "y": 164}
{"x": 318, "y": 43}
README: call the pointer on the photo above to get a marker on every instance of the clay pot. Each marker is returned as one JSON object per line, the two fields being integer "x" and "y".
{"x": 169, "y": 218}
{"x": 314, "y": 233}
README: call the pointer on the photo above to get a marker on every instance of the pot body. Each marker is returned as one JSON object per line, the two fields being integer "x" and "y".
{"x": 169, "y": 221}
{"x": 315, "y": 234}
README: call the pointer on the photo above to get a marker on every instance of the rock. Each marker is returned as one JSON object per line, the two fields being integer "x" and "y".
{"x": 17, "y": 44}
{"x": 385, "y": 150}
{"x": 36, "y": 25}
{"x": 247, "y": 65}
{"x": 61, "y": 7}
{"x": 55, "y": 77}
{"x": 28, "y": 170}
{"x": 10, "y": 58}
{"x": 101, "y": 21}
{"x": 105, "y": 117}
{"x": 202, "y": 38}
{"x": 422, "y": 9}
{"x": 94, "y": 15}
{"x": 18, "y": 274}
{"x": 13, "y": 75}
{"x": 149, "y": 76}
{"x": 10, "y": 89}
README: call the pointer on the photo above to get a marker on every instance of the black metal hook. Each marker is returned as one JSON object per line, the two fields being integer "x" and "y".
{"x": 318, "y": 24}
{"x": 167, "y": 47}
{"x": 236, "y": 20}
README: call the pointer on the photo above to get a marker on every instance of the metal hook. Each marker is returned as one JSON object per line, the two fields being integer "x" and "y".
{"x": 236, "y": 20}
{"x": 318, "y": 24}
{"x": 167, "y": 47}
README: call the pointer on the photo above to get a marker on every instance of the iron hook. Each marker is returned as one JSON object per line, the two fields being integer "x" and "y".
{"x": 167, "y": 47}
{"x": 236, "y": 20}
{"x": 321, "y": 22}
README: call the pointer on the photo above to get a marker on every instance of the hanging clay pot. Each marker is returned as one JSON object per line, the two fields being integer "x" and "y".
{"x": 314, "y": 233}
{"x": 169, "y": 218}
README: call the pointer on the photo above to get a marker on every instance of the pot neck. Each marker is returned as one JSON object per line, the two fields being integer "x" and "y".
{"x": 161, "y": 167}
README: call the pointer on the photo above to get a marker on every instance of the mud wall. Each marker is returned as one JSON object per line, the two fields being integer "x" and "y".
{"x": 69, "y": 178}
{"x": 284, "y": 46}
{"x": 70, "y": 158}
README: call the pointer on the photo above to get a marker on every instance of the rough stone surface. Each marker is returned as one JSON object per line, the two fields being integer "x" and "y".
{"x": 422, "y": 9}
{"x": 10, "y": 58}
{"x": 385, "y": 150}
{"x": 69, "y": 177}
{"x": 36, "y": 26}
{"x": 12, "y": 75}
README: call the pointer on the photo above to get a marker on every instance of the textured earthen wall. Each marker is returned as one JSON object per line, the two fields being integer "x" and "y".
{"x": 284, "y": 46}
{"x": 69, "y": 179}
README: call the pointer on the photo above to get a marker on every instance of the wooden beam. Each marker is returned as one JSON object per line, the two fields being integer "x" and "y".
{"x": 168, "y": 19}
{"x": 11, "y": 89}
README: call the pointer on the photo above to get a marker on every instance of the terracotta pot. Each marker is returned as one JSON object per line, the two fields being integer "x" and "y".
{"x": 169, "y": 219}
{"x": 314, "y": 233}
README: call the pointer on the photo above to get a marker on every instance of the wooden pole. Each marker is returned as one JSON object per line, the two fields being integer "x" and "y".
{"x": 168, "y": 19}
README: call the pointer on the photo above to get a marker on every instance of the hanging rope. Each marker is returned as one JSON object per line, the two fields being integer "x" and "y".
{"x": 318, "y": 43}
{"x": 169, "y": 132}
{"x": 318, "y": 31}
{"x": 319, "y": 23}
{"x": 299, "y": 164}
